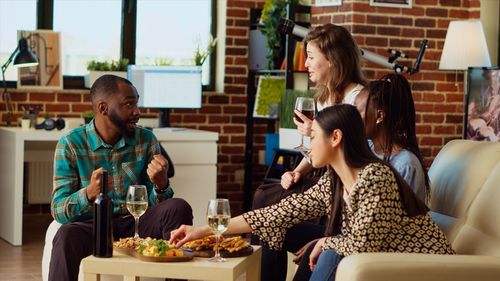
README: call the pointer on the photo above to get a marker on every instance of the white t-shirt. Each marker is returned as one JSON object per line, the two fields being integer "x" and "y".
{"x": 348, "y": 99}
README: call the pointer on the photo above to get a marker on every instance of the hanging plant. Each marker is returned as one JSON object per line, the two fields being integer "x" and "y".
{"x": 272, "y": 13}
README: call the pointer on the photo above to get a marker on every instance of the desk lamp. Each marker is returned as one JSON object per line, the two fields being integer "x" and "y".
{"x": 22, "y": 57}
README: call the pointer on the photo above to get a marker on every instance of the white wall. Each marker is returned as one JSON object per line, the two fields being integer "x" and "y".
{"x": 489, "y": 18}
{"x": 221, "y": 45}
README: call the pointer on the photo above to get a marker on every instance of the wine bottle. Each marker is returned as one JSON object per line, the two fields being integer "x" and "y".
{"x": 103, "y": 221}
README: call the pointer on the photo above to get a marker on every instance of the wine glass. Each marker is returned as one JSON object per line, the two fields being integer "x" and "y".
{"x": 305, "y": 106}
{"x": 218, "y": 216}
{"x": 137, "y": 203}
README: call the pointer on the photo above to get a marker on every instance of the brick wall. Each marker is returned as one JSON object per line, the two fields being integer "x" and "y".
{"x": 224, "y": 113}
{"x": 438, "y": 95}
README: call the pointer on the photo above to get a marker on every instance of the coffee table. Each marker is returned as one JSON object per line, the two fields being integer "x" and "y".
{"x": 198, "y": 268}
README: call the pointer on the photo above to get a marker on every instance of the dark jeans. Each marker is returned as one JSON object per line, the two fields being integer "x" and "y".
{"x": 274, "y": 262}
{"x": 303, "y": 272}
{"x": 73, "y": 241}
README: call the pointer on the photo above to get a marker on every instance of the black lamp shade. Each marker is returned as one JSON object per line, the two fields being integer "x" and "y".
{"x": 25, "y": 57}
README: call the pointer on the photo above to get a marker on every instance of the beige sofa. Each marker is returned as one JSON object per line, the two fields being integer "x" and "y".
{"x": 465, "y": 202}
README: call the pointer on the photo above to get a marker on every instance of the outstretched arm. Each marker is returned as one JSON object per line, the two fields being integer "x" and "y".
{"x": 187, "y": 233}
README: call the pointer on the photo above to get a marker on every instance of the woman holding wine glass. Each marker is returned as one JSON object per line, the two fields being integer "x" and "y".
{"x": 334, "y": 65}
{"x": 370, "y": 207}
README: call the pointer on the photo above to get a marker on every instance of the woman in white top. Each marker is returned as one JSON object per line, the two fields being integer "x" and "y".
{"x": 334, "y": 66}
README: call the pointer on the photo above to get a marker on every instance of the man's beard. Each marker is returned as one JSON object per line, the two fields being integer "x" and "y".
{"x": 121, "y": 125}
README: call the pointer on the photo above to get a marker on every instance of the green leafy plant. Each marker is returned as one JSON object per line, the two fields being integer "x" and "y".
{"x": 287, "y": 105}
{"x": 201, "y": 55}
{"x": 108, "y": 65}
{"x": 272, "y": 13}
{"x": 87, "y": 116}
{"x": 164, "y": 61}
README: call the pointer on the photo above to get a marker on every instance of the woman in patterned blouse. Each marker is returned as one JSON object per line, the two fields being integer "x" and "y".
{"x": 371, "y": 207}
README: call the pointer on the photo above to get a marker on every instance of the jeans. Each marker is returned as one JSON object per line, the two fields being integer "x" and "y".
{"x": 326, "y": 266}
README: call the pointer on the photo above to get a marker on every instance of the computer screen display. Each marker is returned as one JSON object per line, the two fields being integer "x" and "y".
{"x": 167, "y": 86}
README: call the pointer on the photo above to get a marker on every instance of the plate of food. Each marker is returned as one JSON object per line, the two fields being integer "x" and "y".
{"x": 149, "y": 249}
{"x": 229, "y": 247}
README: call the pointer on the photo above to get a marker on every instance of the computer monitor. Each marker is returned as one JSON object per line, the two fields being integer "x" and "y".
{"x": 166, "y": 87}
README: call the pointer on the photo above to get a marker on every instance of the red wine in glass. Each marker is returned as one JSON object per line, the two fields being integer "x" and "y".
{"x": 308, "y": 113}
{"x": 305, "y": 106}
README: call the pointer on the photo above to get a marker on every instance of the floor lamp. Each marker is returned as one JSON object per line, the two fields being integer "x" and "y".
{"x": 464, "y": 47}
{"x": 22, "y": 56}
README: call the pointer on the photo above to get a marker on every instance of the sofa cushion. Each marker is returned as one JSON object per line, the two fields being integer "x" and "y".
{"x": 465, "y": 193}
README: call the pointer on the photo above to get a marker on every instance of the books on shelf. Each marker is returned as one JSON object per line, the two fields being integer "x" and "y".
{"x": 299, "y": 58}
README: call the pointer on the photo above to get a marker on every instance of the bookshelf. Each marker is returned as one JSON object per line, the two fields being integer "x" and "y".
{"x": 293, "y": 80}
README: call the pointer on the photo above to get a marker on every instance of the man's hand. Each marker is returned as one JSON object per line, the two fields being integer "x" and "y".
{"x": 289, "y": 178}
{"x": 93, "y": 189}
{"x": 157, "y": 171}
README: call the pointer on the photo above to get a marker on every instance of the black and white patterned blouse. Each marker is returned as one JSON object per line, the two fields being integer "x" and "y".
{"x": 374, "y": 222}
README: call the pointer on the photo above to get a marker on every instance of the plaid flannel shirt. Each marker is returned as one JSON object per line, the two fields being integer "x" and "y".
{"x": 82, "y": 151}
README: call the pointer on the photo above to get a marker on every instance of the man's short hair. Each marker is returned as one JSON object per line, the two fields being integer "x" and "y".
{"x": 107, "y": 85}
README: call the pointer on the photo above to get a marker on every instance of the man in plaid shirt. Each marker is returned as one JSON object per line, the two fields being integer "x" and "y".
{"x": 131, "y": 155}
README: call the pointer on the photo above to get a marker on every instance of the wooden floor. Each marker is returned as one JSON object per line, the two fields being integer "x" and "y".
{"x": 23, "y": 263}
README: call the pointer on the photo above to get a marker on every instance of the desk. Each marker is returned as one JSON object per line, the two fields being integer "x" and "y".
{"x": 197, "y": 269}
{"x": 193, "y": 152}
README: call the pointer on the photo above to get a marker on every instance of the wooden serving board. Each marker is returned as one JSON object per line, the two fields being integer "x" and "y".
{"x": 131, "y": 252}
{"x": 225, "y": 254}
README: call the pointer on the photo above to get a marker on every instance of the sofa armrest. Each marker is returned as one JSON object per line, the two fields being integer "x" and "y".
{"x": 418, "y": 267}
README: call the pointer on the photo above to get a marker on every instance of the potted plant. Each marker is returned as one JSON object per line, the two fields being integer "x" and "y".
{"x": 272, "y": 13}
{"x": 25, "y": 121}
{"x": 87, "y": 116}
{"x": 201, "y": 55}
{"x": 98, "y": 68}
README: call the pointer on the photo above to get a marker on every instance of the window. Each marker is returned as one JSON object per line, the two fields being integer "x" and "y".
{"x": 90, "y": 30}
{"x": 168, "y": 32}
{"x": 156, "y": 32}
{"x": 24, "y": 19}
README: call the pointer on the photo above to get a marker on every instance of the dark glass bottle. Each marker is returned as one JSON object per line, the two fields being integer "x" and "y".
{"x": 103, "y": 221}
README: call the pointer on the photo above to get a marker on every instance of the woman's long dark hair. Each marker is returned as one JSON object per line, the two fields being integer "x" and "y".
{"x": 392, "y": 94}
{"x": 341, "y": 50}
{"x": 358, "y": 154}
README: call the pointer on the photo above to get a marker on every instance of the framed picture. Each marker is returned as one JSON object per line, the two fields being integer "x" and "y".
{"x": 391, "y": 3}
{"x": 269, "y": 90}
{"x": 482, "y": 104}
{"x": 47, "y": 74}
{"x": 323, "y": 3}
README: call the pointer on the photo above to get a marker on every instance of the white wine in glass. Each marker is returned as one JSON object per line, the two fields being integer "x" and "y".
{"x": 218, "y": 216}
{"x": 137, "y": 203}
